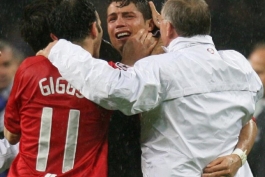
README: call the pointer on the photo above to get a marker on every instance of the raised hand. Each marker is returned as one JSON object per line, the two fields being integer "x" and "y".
{"x": 155, "y": 13}
{"x": 138, "y": 46}
{"x": 45, "y": 52}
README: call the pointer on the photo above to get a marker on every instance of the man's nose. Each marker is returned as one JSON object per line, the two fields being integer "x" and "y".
{"x": 120, "y": 22}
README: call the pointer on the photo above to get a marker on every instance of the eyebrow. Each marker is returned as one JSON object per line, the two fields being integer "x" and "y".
{"x": 123, "y": 13}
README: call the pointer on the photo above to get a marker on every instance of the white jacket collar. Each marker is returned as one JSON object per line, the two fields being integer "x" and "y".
{"x": 184, "y": 42}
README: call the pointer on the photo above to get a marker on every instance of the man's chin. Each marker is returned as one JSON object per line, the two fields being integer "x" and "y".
{"x": 121, "y": 49}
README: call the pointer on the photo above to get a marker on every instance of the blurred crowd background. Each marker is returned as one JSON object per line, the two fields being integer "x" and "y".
{"x": 236, "y": 24}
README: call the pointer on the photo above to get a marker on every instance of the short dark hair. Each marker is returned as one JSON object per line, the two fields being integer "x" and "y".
{"x": 34, "y": 26}
{"x": 141, "y": 5}
{"x": 189, "y": 17}
{"x": 73, "y": 19}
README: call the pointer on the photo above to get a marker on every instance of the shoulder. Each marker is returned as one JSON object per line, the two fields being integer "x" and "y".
{"x": 231, "y": 54}
{"x": 155, "y": 58}
{"x": 34, "y": 65}
{"x": 234, "y": 57}
{"x": 237, "y": 60}
{"x": 33, "y": 60}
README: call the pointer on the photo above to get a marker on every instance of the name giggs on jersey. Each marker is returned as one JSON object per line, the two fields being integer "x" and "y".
{"x": 60, "y": 86}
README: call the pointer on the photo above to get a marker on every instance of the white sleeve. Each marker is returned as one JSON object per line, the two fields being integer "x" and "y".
{"x": 133, "y": 91}
{"x": 7, "y": 154}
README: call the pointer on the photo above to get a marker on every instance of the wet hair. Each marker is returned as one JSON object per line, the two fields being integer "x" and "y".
{"x": 141, "y": 5}
{"x": 34, "y": 25}
{"x": 73, "y": 19}
{"x": 189, "y": 17}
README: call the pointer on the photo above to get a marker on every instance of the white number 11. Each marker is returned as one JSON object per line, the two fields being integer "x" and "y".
{"x": 45, "y": 135}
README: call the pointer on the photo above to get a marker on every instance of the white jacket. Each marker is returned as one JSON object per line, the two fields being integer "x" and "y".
{"x": 194, "y": 100}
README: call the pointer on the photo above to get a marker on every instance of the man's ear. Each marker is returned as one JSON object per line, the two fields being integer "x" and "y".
{"x": 170, "y": 31}
{"x": 53, "y": 37}
{"x": 94, "y": 30}
{"x": 151, "y": 25}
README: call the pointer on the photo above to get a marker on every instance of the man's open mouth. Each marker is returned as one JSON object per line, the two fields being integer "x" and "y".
{"x": 123, "y": 35}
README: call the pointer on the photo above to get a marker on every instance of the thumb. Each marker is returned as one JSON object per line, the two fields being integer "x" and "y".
{"x": 40, "y": 52}
{"x": 155, "y": 13}
{"x": 46, "y": 51}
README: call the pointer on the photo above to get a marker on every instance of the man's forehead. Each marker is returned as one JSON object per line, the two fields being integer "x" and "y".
{"x": 6, "y": 54}
{"x": 258, "y": 55}
{"x": 114, "y": 7}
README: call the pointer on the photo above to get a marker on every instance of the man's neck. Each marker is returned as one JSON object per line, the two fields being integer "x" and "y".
{"x": 87, "y": 44}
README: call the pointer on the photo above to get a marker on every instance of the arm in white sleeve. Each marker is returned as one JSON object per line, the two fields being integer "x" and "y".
{"x": 133, "y": 91}
{"x": 7, "y": 154}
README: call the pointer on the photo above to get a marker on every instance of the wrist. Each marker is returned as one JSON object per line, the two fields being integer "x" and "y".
{"x": 242, "y": 155}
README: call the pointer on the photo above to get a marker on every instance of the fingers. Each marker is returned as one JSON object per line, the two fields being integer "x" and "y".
{"x": 147, "y": 40}
{"x": 138, "y": 46}
{"x": 224, "y": 173}
{"x": 224, "y": 166}
{"x": 150, "y": 41}
{"x": 217, "y": 165}
{"x": 41, "y": 52}
{"x": 215, "y": 162}
{"x": 214, "y": 169}
{"x": 155, "y": 13}
{"x": 45, "y": 52}
{"x": 143, "y": 36}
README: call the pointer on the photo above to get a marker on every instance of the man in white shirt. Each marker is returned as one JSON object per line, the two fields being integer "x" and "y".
{"x": 188, "y": 118}
{"x": 124, "y": 19}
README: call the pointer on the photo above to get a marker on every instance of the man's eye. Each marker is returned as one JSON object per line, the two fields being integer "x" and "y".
{"x": 129, "y": 16}
{"x": 6, "y": 64}
{"x": 111, "y": 20}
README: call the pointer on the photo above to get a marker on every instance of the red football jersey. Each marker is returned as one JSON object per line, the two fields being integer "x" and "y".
{"x": 62, "y": 133}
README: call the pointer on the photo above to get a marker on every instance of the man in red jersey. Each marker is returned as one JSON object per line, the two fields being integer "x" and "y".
{"x": 49, "y": 103}
{"x": 60, "y": 132}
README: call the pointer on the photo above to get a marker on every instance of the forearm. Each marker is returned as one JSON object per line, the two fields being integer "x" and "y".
{"x": 11, "y": 137}
{"x": 229, "y": 164}
{"x": 108, "y": 87}
{"x": 247, "y": 137}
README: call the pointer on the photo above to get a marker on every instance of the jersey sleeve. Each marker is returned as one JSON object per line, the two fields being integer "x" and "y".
{"x": 133, "y": 91}
{"x": 12, "y": 117}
